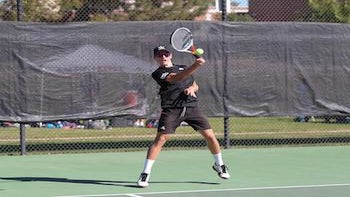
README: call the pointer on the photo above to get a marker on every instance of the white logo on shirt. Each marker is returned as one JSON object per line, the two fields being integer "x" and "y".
{"x": 162, "y": 128}
{"x": 164, "y": 75}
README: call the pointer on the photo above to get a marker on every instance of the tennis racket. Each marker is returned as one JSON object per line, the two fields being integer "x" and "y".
{"x": 182, "y": 40}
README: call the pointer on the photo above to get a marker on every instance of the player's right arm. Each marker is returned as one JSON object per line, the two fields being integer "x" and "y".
{"x": 173, "y": 77}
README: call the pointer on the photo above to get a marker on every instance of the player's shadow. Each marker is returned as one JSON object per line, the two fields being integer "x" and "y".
{"x": 95, "y": 182}
{"x": 67, "y": 180}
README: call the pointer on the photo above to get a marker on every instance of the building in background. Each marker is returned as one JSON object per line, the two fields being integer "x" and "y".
{"x": 232, "y": 6}
{"x": 278, "y": 10}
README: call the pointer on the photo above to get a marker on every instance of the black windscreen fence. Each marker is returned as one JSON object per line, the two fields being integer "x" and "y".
{"x": 97, "y": 70}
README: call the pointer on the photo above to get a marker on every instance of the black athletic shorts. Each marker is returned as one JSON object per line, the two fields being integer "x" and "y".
{"x": 171, "y": 118}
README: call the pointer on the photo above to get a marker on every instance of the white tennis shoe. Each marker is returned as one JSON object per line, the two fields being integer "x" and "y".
{"x": 143, "y": 180}
{"x": 222, "y": 171}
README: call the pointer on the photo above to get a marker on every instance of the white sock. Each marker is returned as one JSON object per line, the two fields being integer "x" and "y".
{"x": 218, "y": 159}
{"x": 148, "y": 166}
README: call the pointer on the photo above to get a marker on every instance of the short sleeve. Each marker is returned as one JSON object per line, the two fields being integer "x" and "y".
{"x": 160, "y": 75}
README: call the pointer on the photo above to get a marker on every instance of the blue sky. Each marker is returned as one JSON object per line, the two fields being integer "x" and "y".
{"x": 243, "y": 3}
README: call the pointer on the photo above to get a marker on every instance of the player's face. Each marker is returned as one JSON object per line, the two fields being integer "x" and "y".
{"x": 163, "y": 58}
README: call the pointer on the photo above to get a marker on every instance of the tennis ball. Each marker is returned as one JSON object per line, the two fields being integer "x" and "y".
{"x": 199, "y": 51}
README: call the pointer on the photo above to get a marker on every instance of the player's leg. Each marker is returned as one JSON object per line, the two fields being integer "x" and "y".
{"x": 212, "y": 142}
{"x": 168, "y": 123}
{"x": 157, "y": 145}
{"x": 214, "y": 147}
{"x": 152, "y": 154}
{"x": 199, "y": 122}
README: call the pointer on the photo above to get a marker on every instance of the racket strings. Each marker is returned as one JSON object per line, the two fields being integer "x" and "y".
{"x": 182, "y": 40}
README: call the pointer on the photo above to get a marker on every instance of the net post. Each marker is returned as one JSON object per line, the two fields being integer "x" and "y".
{"x": 22, "y": 131}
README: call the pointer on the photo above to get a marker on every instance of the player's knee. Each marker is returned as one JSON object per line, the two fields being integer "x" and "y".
{"x": 209, "y": 135}
{"x": 162, "y": 138}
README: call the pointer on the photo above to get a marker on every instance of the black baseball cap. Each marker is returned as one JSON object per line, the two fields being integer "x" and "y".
{"x": 159, "y": 49}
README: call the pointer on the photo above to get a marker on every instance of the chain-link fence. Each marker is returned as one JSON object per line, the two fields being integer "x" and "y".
{"x": 128, "y": 133}
{"x": 155, "y": 10}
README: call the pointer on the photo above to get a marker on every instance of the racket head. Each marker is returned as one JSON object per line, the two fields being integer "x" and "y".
{"x": 182, "y": 40}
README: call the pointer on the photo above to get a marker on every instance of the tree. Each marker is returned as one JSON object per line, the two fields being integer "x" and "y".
{"x": 38, "y": 10}
{"x": 105, "y": 10}
{"x": 141, "y": 10}
{"x": 7, "y": 10}
{"x": 330, "y": 11}
{"x": 342, "y": 10}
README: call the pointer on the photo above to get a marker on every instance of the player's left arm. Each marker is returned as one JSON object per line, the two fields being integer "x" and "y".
{"x": 191, "y": 90}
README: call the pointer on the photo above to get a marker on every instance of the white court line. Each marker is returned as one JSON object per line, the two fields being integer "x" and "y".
{"x": 215, "y": 190}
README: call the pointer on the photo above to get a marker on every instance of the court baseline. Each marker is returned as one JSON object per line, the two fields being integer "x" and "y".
{"x": 216, "y": 190}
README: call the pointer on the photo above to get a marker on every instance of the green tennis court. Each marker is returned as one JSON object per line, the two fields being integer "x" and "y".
{"x": 267, "y": 172}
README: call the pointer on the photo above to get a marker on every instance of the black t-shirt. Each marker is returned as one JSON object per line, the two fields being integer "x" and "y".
{"x": 172, "y": 94}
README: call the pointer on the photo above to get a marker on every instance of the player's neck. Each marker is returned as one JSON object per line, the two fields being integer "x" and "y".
{"x": 167, "y": 65}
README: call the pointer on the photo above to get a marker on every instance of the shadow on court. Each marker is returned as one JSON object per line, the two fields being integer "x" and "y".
{"x": 97, "y": 182}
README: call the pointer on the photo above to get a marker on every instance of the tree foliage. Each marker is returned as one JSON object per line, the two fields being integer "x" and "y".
{"x": 330, "y": 11}
{"x": 38, "y": 10}
{"x": 105, "y": 10}
{"x": 150, "y": 10}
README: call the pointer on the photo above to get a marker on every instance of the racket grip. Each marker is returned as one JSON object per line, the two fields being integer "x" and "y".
{"x": 196, "y": 56}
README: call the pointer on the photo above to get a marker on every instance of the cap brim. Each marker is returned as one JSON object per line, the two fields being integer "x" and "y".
{"x": 163, "y": 50}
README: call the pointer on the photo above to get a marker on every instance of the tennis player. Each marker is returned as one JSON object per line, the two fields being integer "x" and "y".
{"x": 179, "y": 103}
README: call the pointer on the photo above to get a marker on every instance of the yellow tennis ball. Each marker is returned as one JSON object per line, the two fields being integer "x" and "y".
{"x": 199, "y": 51}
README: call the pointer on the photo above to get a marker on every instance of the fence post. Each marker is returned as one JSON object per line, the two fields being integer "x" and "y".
{"x": 22, "y": 131}
{"x": 227, "y": 141}
{"x": 19, "y": 10}
{"x": 223, "y": 11}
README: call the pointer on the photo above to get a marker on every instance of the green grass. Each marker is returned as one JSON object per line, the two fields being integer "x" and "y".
{"x": 262, "y": 131}
{"x": 285, "y": 127}
{"x": 285, "y": 124}
{"x": 263, "y": 127}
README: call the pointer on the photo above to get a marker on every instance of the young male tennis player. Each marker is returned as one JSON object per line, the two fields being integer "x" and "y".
{"x": 179, "y": 103}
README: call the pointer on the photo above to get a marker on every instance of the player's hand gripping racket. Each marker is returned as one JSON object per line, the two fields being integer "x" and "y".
{"x": 182, "y": 40}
